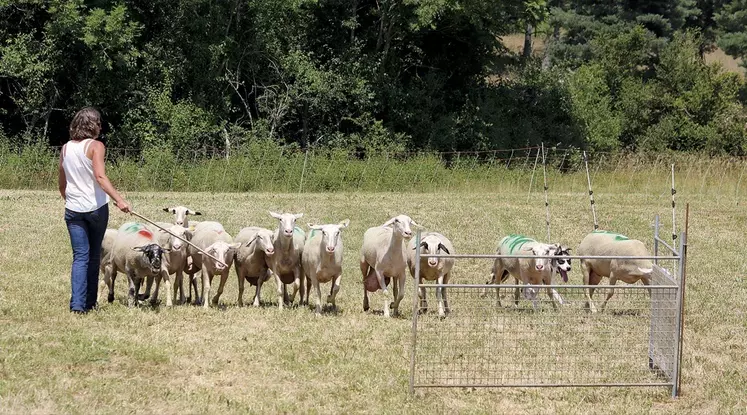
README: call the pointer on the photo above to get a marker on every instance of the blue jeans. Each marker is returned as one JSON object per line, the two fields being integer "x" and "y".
{"x": 86, "y": 234}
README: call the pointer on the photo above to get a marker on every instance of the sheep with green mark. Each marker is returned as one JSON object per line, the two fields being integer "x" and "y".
{"x": 530, "y": 271}
{"x": 606, "y": 243}
{"x": 136, "y": 252}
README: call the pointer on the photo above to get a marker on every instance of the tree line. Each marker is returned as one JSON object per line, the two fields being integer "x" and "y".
{"x": 432, "y": 75}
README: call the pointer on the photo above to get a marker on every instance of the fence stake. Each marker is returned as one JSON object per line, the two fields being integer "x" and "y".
{"x": 739, "y": 182}
{"x": 547, "y": 203}
{"x": 303, "y": 171}
{"x": 415, "y": 311}
{"x": 674, "y": 215}
{"x": 534, "y": 169}
{"x": 591, "y": 192}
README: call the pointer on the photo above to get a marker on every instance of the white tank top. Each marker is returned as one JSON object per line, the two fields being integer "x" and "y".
{"x": 83, "y": 193}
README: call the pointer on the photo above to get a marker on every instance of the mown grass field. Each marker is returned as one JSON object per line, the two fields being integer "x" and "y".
{"x": 248, "y": 360}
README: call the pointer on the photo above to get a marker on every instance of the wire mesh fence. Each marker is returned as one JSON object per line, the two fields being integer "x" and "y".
{"x": 289, "y": 170}
{"x": 553, "y": 342}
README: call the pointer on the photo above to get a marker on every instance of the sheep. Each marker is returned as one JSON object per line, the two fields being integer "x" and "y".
{"x": 252, "y": 259}
{"x": 135, "y": 252}
{"x": 384, "y": 256}
{"x": 322, "y": 260}
{"x": 432, "y": 269}
{"x": 174, "y": 262}
{"x": 180, "y": 215}
{"x": 213, "y": 239}
{"x": 288, "y": 241}
{"x": 530, "y": 271}
{"x": 605, "y": 243}
{"x": 106, "y": 250}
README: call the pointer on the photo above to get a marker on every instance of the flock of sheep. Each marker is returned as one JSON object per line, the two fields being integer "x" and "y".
{"x": 299, "y": 261}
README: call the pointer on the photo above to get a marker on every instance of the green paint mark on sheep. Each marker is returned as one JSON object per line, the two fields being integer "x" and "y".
{"x": 298, "y": 231}
{"x": 312, "y": 233}
{"x": 134, "y": 227}
{"x": 616, "y": 236}
{"x": 515, "y": 242}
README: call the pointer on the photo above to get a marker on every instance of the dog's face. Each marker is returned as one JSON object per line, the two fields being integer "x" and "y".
{"x": 561, "y": 263}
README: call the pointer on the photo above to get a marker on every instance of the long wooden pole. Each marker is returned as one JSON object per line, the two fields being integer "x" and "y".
{"x": 132, "y": 212}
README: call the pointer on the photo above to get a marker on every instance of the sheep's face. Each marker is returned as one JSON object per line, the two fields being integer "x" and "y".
{"x": 176, "y": 243}
{"x": 433, "y": 246}
{"x": 152, "y": 254}
{"x": 562, "y": 264}
{"x": 180, "y": 214}
{"x": 263, "y": 239}
{"x": 402, "y": 225}
{"x": 541, "y": 264}
{"x": 287, "y": 223}
{"x": 224, "y": 252}
{"x": 330, "y": 235}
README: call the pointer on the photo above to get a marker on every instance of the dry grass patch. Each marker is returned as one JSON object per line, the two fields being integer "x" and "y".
{"x": 239, "y": 360}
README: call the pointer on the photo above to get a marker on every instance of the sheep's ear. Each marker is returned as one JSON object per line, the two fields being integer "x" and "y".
{"x": 188, "y": 234}
{"x": 298, "y": 215}
{"x": 413, "y": 223}
{"x": 344, "y": 224}
{"x": 137, "y": 248}
{"x": 236, "y": 245}
{"x": 389, "y": 222}
{"x": 275, "y": 215}
{"x": 251, "y": 241}
{"x": 314, "y": 227}
{"x": 443, "y": 248}
{"x": 170, "y": 210}
{"x": 424, "y": 244}
{"x": 167, "y": 250}
{"x": 192, "y": 212}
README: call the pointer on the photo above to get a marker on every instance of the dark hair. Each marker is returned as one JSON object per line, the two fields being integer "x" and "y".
{"x": 86, "y": 124}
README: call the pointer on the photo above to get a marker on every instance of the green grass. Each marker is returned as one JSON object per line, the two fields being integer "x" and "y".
{"x": 239, "y": 360}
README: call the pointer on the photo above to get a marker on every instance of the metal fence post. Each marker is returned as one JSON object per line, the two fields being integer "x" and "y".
{"x": 415, "y": 309}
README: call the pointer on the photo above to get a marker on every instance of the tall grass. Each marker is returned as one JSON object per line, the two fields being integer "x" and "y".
{"x": 272, "y": 168}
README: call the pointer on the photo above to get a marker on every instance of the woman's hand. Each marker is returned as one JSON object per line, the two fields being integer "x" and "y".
{"x": 124, "y": 206}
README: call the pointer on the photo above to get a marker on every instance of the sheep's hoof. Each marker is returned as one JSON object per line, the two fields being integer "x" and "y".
{"x": 110, "y": 298}
{"x": 143, "y": 297}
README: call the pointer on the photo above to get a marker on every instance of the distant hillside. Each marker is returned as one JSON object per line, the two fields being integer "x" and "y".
{"x": 515, "y": 43}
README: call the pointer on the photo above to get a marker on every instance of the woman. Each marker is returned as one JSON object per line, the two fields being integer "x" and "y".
{"x": 84, "y": 186}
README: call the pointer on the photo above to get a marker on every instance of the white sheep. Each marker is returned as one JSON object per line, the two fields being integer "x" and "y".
{"x": 135, "y": 252}
{"x": 530, "y": 271}
{"x": 432, "y": 269}
{"x": 180, "y": 215}
{"x": 213, "y": 239}
{"x": 605, "y": 243}
{"x": 383, "y": 257}
{"x": 322, "y": 260}
{"x": 252, "y": 260}
{"x": 288, "y": 241}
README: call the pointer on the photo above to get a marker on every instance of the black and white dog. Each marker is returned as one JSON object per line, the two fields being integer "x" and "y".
{"x": 561, "y": 264}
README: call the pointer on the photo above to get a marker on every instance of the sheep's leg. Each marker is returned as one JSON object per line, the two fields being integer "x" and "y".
{"x": 423, "y": 301}
{"x": 178, "y": 287}
{"x": 206, "y": 281}
{"x": 333, "y": 290}
{"x": 133, "y": 289}
{"x": 516, "y": 292}
{"x": 148, "y": 285}
{"x": 365, "y": 299}
{"x": 258, "y": 292}
{"x": 318, "y": 291}
{"x": 399, "y": 293}
{"x": 154, "y": 297}
{"x": 440, "y": 297}
{"x": 593, "y": 279}
{"x": 647, "y": 282}
{"x": 281, "y": 289}
{"x": 613, "y": 281}
{"x": 221, "y": 285}
{"x": 110, "y": 274}
{"x": 242, "y": 280}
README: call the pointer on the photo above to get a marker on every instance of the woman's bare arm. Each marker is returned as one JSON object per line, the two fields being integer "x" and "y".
{"x": 99, "y": 172}
{"x": 61, "y": 179}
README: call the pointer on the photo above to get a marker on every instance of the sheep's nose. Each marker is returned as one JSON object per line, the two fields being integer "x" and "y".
{"x": 540, "y": 267}
{"x": 288, "y": 232}
{"x": 432, "y": 262}
{"x": 408, "y": 234}
{"x": 179, "y": 222}
{"x": 330, "y": 249}
{"x": 269, "y": 251}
